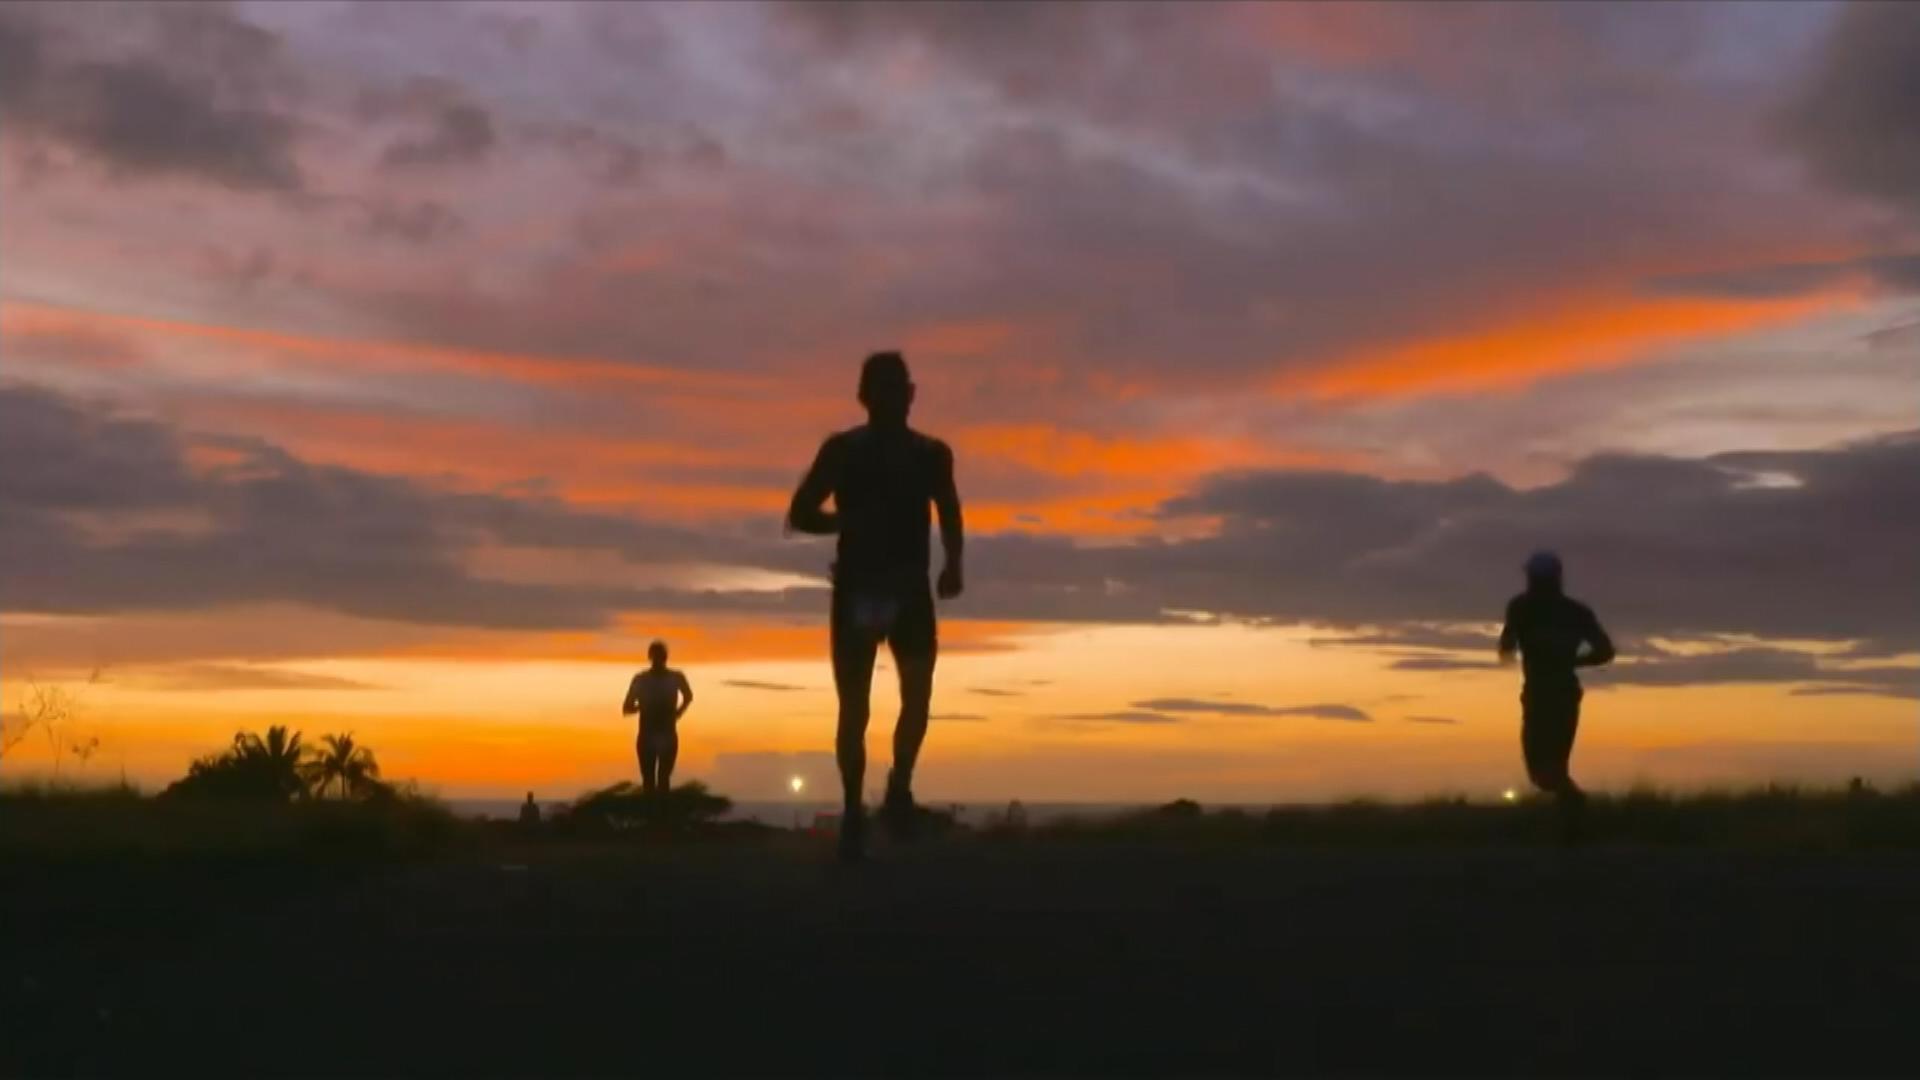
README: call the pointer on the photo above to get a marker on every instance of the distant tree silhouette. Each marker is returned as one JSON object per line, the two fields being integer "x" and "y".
{"x": 269, "y": 768}
{"x": 342, "y": 764}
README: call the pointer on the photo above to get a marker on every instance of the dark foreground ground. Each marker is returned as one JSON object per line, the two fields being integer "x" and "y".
{"x": 970, "y": 957}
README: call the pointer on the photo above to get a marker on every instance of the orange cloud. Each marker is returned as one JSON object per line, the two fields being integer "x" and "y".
{"x": 1115, "y": 515}
{"x": 26, "y": 318}
{"x": 66, "y": 344}
{"x": 1060, "y": 452}
{"x": 614, "y": 469}
{"x": 1116, "y": 478}
{"x": 1576, "y": 337}
{"x": 584, "y": 467}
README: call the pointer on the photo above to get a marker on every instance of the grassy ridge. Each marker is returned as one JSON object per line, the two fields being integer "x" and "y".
{"x": 69, "y": 823}
{"x": 81, "y": 824}
{"x": 1775, "y": 817}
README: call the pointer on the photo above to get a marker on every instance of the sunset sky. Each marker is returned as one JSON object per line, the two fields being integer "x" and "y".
{"x": 404, "y": 369}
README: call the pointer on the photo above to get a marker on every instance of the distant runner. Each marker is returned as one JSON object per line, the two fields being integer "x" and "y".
{"x": 1554, "y": 634}
{"x": 882, "y": 476}
{"x": 661, "y": 696}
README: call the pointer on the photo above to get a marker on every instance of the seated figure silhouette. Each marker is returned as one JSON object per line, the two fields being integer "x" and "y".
{"x": 882, "y": 476}
{"x": 661, "y": 696}
{"x": 1554, "y": 635}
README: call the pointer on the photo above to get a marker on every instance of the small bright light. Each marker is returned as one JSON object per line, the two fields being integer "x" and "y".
{"x": 797, "y": 784}
{"x": 1510, "y": 795}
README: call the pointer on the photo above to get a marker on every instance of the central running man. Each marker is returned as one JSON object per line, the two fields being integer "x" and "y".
{"x": 883, "y": 476}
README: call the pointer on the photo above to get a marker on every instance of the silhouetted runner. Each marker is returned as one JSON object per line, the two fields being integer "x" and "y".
{"x": 1554, "y": 635}
{"x": 661, "y": 696}
{"x": 882, "y": 476}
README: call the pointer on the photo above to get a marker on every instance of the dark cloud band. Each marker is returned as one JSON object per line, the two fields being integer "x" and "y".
{"x": 1785, "y": 545}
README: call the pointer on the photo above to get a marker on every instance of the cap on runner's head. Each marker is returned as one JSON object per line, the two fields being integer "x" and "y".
{"x": 1543, "y": 566}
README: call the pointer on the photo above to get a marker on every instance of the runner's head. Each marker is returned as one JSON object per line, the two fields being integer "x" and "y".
{"x": 657, "y": 653}
{"x": 1543, "y": 572}
{"x": 885, "y": 388}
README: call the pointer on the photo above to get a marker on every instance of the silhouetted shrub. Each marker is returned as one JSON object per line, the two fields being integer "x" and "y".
{"x": 1179, "y": 810}
{"x": 624, "y": 806}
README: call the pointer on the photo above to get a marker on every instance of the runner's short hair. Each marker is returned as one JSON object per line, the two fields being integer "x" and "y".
{"x": 883, "y": 369}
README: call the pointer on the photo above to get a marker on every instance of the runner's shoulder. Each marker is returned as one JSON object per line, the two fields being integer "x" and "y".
{"x": 854, "y": 438}
{"x": 1578, "y": 610}
{"x": 840, "y": 441}
{"x": 936, "y": 449}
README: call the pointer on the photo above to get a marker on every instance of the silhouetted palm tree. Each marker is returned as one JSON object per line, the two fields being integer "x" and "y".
{"x": 278, "y": 758}
{"x": 270, "y": 768}
{"x": 340, "y": 762}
